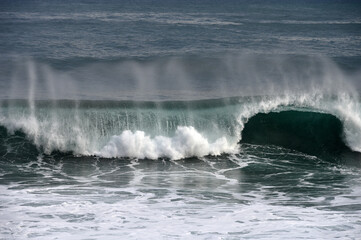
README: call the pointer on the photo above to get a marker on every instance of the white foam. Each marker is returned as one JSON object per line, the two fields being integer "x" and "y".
{"x": 186, "y": 142}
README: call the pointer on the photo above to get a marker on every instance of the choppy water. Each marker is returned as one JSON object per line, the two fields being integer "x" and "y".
{"x": 180, "y": 120}
{"x": 262, "y": 192}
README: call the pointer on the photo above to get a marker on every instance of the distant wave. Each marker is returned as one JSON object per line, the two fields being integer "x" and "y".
{"x": 306, "y": 22}
{"x": 165, "y": 18}
{"x": 162, "y": 18}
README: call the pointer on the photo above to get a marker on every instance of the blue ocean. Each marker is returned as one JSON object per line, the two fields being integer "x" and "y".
{"x": 182, "y": 119}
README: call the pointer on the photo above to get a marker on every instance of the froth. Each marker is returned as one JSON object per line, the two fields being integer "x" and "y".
{"x": 187, "y": 142}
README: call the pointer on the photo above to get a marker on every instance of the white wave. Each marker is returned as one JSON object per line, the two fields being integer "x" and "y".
{"x": 187, "y": 142}
{"x": 105, "y": 132}
{"x": 305, "y": 22}
{"x": 95, "y": 132}
{"x": 163, "y": 18}
{"x": 347, "y": 39}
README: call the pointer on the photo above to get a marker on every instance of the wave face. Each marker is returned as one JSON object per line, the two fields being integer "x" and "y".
{"x": 314, "y": 124}
{"x": 309, "y": 132}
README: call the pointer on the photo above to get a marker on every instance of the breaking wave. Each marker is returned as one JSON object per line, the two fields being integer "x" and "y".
{"x": 182, "y": 106}
{"x": 309, "y": 123}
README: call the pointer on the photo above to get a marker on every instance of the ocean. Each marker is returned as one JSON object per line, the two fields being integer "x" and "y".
{"x": 180, "y": 119}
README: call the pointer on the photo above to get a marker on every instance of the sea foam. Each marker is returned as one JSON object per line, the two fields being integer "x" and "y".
{"x": 187, "y": 142}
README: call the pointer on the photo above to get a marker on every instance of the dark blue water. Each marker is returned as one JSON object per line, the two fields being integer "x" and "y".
{"x": 180, "y": 119}
{"x": 112, "y": 29}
